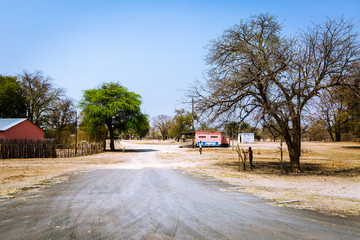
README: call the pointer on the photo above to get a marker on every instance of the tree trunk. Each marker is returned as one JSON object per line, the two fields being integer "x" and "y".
{"x": 337, "y": 131}
{"x": 330, "y": 134}
{"x": 293, "y": 142}
{"x": 111, "y": 132}
{"x": 294, "y": 155}
{"x": 338, "y": 136}
{"x": 112, "y": 144}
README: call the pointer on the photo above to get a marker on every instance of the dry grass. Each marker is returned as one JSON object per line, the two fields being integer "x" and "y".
{"x": 18, "y": 173}
{"x": 333, "y": 159}
{"x": 329, "y": 182}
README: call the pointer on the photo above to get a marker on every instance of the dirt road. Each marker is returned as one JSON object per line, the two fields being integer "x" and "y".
{"x": 143, "y": 198}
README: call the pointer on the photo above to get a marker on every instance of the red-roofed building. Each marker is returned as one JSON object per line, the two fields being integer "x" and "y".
{"x": 19, "y": 128}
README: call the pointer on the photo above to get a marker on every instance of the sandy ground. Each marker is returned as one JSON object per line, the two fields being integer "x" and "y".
{"x": 330, "y": 182}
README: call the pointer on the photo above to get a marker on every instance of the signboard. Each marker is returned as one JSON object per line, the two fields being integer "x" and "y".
{"x": 209, "y": 143}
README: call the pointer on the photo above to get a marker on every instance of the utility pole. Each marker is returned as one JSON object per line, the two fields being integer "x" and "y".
{"x": 76, "y": 132}
{"x": 193, "y": 128}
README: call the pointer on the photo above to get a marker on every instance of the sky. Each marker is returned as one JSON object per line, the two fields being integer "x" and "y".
{"x": 154, "y": 48}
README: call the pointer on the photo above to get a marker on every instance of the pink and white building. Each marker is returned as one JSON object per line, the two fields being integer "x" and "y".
{"x": 211, "y": 138}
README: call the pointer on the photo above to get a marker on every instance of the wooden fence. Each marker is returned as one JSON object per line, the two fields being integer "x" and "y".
{"x": 82, "y": 149}
{"x": 45, "y": 148}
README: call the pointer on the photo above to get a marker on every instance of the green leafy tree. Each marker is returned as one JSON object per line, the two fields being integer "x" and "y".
{"x": 12, "y": 100}
{"x": 139, "y": 124}
{"x": 205, "y": 127}
{"x": 112, "y": 105}
{"x": 181, "y": 122}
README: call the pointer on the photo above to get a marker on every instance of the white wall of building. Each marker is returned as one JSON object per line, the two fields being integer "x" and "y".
{"x": 245, "y": 137}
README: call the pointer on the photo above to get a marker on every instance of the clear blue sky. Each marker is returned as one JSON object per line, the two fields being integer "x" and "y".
{"x": 154, "y": 48}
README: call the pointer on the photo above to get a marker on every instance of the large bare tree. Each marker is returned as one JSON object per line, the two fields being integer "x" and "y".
{"x": 256, "y": 70}
{"x": 40, "y": 96}
{"x": 163, "y": 124}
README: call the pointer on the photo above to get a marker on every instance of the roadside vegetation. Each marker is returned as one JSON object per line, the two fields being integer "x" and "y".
{"x": 107, "y": 111}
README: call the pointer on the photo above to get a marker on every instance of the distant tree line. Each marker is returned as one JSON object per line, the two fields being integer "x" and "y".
{"x": 107, "y": 111}
{"x": 184, "y": 122}
{"x": 34, "y": 96}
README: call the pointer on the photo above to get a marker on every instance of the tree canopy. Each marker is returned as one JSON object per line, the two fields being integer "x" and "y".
{"x": 114, "y": 106}
{"x": 41, "y": 96}
{"x": 12, "y": 100}
{"x": 181, "y": 122}
{"x": 256, "y": 71}
{"x": 162, "y": 123}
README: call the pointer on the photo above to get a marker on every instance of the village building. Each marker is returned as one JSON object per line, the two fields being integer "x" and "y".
{"x": 19, "y": 128}
{"x": 211, "y": 138}
{"x": 246, "y": 138}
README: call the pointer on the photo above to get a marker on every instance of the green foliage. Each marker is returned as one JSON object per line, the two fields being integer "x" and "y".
{"x": 338, "y": 112}
{"x": 12, "y": 101}
{"x": 317, "y": 132}
{"x": 205, "y": 127}
{"x": 139, "y": 124}
{"x": 233, "y": 128}
{"x": 182, "y": 122}
{"x": 114, "y": 106}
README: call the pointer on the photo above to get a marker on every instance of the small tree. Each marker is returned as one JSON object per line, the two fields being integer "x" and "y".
{"x": 163, "y": 124}
{"x": 242, "y": 156}
{"x": 337, "y": 109}
{"x": 181, "y": 122}
{"x": 61, "y": 120}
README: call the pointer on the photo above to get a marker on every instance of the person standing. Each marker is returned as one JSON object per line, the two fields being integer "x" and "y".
{"x": 200, "y": 147}
{"x": 251, "y": 158}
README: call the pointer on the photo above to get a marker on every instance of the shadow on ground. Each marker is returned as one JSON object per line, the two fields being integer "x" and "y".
{"x": 352, "y": 147}
{"x": 133, "y": 150}
{"x": 274, "y": 167}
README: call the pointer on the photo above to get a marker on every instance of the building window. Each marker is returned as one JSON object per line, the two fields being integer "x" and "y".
{"x": 202, "y": 137}
{"x": 214, "y": 136}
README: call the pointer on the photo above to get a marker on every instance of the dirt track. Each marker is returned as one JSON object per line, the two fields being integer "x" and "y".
{"x": 334, "y": 188}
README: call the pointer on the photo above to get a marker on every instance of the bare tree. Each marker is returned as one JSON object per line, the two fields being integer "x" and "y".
{"x": 339, "y": 110}
{"x": 40, "y": 96}
{"x": 62, "y": 115}
{"x": 163, "y": 124}
{"x": 333, "y": 112}
{"x": 255, "y": 70}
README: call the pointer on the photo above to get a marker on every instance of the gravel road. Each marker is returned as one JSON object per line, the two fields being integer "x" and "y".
{"x": 142, "y": 199}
